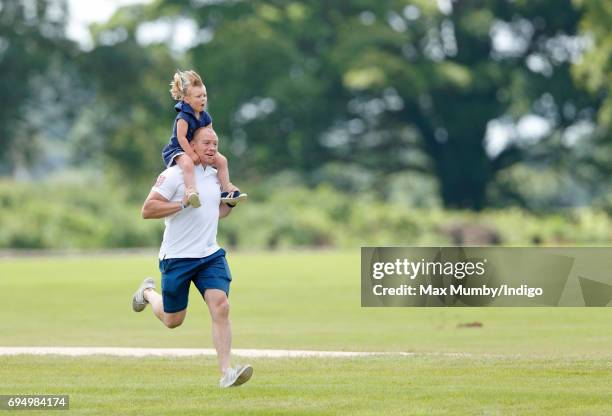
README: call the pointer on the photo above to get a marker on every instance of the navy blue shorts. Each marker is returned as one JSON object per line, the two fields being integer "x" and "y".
{"x": 210, "y": 272}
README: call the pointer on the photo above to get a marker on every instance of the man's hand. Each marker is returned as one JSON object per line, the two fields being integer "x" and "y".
{"x": 231, "y": 188}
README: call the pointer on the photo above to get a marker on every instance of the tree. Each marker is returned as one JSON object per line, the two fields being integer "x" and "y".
{"x": 443, "y": 74}
{"x": 395, "y": 85}
{"x": 389, "y": 86}
{"x": 34, "y": 57}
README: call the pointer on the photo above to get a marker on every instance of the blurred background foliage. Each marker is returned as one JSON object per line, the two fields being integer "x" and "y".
{"x": 47, "y": 216}
{"x": 349, "y": 123}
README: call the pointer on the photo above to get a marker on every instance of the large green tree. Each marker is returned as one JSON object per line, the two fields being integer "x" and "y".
{"x": 456, "y": 68}
{"x": 390, "y": 86}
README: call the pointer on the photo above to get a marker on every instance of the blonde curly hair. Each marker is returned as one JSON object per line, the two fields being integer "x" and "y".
{"x": 182, "y": 81}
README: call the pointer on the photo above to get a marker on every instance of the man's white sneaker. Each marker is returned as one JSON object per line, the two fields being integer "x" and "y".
{"x": 234, "y": 377}
{"x": 138, "y": 300}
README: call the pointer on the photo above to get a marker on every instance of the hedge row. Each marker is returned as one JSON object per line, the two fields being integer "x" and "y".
{"x": 52, "y": 216}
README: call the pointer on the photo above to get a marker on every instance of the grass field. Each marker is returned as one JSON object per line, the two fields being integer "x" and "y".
{"x": 374, "y": 386}
{"x": 521, "y": 361}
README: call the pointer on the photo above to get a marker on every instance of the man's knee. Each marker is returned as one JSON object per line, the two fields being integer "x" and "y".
{"x": 173, "y": 324}
{"x": 173, "y": 320}
{"x": 220, "y": 308}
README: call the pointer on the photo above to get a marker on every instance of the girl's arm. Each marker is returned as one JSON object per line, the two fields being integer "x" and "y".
{"x": 181, "y": 135}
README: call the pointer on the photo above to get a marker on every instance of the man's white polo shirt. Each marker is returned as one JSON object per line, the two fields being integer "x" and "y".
{"x": 192, "y": 232}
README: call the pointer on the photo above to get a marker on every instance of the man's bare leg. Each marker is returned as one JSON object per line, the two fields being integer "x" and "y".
{"x": 171, "y": 320}
{"x": 218, "y": 306}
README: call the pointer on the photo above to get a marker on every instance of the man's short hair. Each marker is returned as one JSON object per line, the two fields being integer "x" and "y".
{"x": 203, "y": 132}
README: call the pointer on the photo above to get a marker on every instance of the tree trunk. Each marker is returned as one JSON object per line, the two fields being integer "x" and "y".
{"x": 464, "y": 171}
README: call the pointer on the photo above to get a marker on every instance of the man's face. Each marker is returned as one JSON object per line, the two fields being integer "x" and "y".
{"x": 205, "y": 144}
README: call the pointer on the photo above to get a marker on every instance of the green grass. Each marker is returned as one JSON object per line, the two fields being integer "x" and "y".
{"x": 420, "y": 385}
{"x": 541, "y": 361}
{"x": 307, "y": 300}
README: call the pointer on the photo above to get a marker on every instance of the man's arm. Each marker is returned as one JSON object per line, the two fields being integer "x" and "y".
{"x": 224, "y": 210}
{"x": 156, "y": 206}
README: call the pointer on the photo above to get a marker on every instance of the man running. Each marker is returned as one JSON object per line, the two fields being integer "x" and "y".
{"x": 189, "y": 253}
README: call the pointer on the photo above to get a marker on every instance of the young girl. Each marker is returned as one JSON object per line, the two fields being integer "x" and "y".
{"x": 190, "y": 92}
